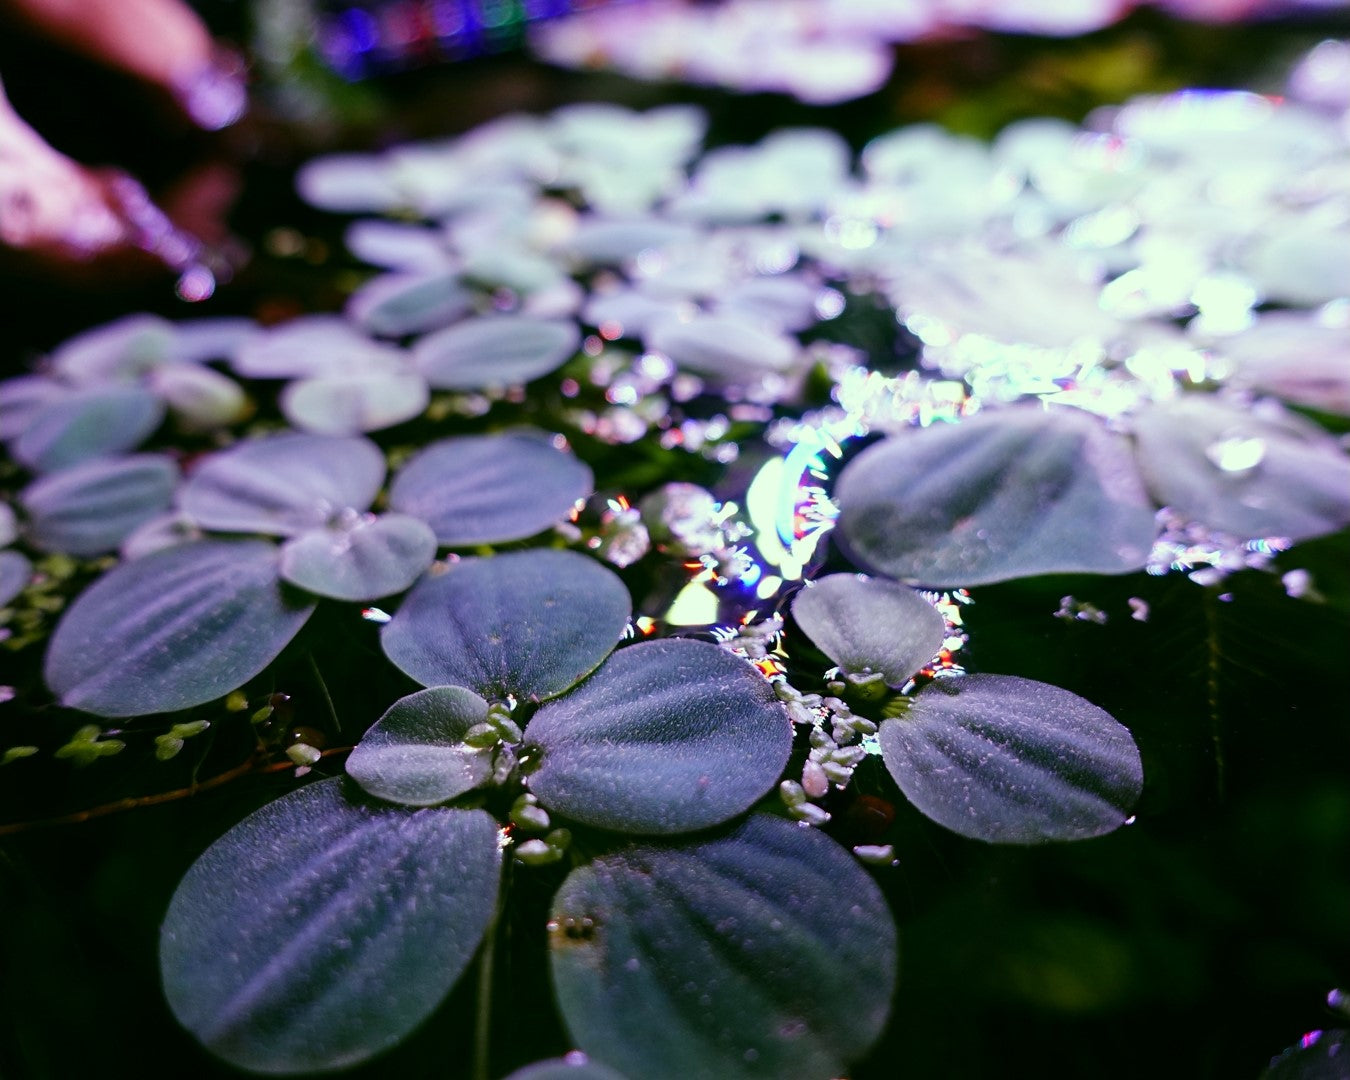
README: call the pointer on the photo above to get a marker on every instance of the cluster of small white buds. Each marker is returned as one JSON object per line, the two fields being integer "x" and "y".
{"x": 839, "y": 743}
{"x": 541, "y": 851}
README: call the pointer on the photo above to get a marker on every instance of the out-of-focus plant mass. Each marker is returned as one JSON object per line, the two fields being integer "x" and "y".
{"x": 650, "y": 487}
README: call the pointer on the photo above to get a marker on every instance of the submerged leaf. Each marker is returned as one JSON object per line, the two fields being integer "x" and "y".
{"x": 174, "y": 629}
{"x": 667, "y": 736}
{"x": 528, "y": 624}
{"x": 1012, "y": 761}
{"x": 870, "y": 624}
{"x": 321, "y": 930}
{"x": 483, "y": 489}
{"x": 765, "y": 951}
{"x": 1005, "y": 494}
{"x": 415, "y": 753}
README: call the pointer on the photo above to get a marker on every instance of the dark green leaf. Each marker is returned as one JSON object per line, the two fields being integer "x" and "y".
{"x": 415, "y": 753}
{"x": 1005, "y": 494}
{"x": 667, "y": 736}
{"x": 870, "y": 624}
{"x": 528, "y": 623}
{"x": 320, "y": 930}
{"x": 174, "y": 629}
{"x": 483, "y": 489}
{"x": 1013, "y": 761}
{"x": 766, "y": 951}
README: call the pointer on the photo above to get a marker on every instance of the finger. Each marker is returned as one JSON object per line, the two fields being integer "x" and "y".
{"x": 161, "y": 42}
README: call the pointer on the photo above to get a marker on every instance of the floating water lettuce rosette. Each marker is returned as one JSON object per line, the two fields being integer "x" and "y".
{"x": 198, "y": 618}
{"x": 656, "y": 739}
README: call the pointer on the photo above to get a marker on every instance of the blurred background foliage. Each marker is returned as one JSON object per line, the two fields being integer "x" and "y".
{"x": 1196, "y": 943}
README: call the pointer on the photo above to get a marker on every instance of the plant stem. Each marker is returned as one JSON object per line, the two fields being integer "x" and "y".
{"x": 323, "y": 689}
{"x": 255, "y": 764}
{"x": 1213, "y": 660}
{"x": 482, "y": 1028}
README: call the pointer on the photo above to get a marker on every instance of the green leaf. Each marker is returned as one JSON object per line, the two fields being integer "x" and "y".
{"x": 1244, "y": 473}
{"x": 402, "y": 303}
{"x": 1012, "y": 761}
{"x": 311, "y": 346}
{"x": 348, "y": 403}
{"x": 870, "y": 624}
{"x": 92, "y": 507}
{"x": 763, "y": 952}
{"x": 283, "y": 484}
{"x": 174, "y": 629}
{"x": 1005, "y": 494}
{"x": 667, "y": 736}
{"x": 724, "y": 348}
{"x": 15, "y": 570}
{"x": 321, "y": 930}
{"x": 120, "y": 351}
{"x": 415, "y": 753}
{"x": 484, "y": 489}
{"x": 202, "y": 399}
{"x": 495, "y": 350}
{"x": 359, "y": 558}
{"x": 86, "y": 424}
{"x": 528, "y": 623}
{"x": 612, "y": 241}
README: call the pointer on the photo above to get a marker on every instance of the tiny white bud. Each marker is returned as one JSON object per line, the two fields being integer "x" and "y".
{"x": 877, "y": 854}
{"x": 814, "y": 781}
{"x": 810, "y": 813}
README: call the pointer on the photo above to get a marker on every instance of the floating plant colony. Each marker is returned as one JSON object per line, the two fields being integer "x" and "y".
{"x": 1107, "y": 349}
{"x": 821, "y": 51}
